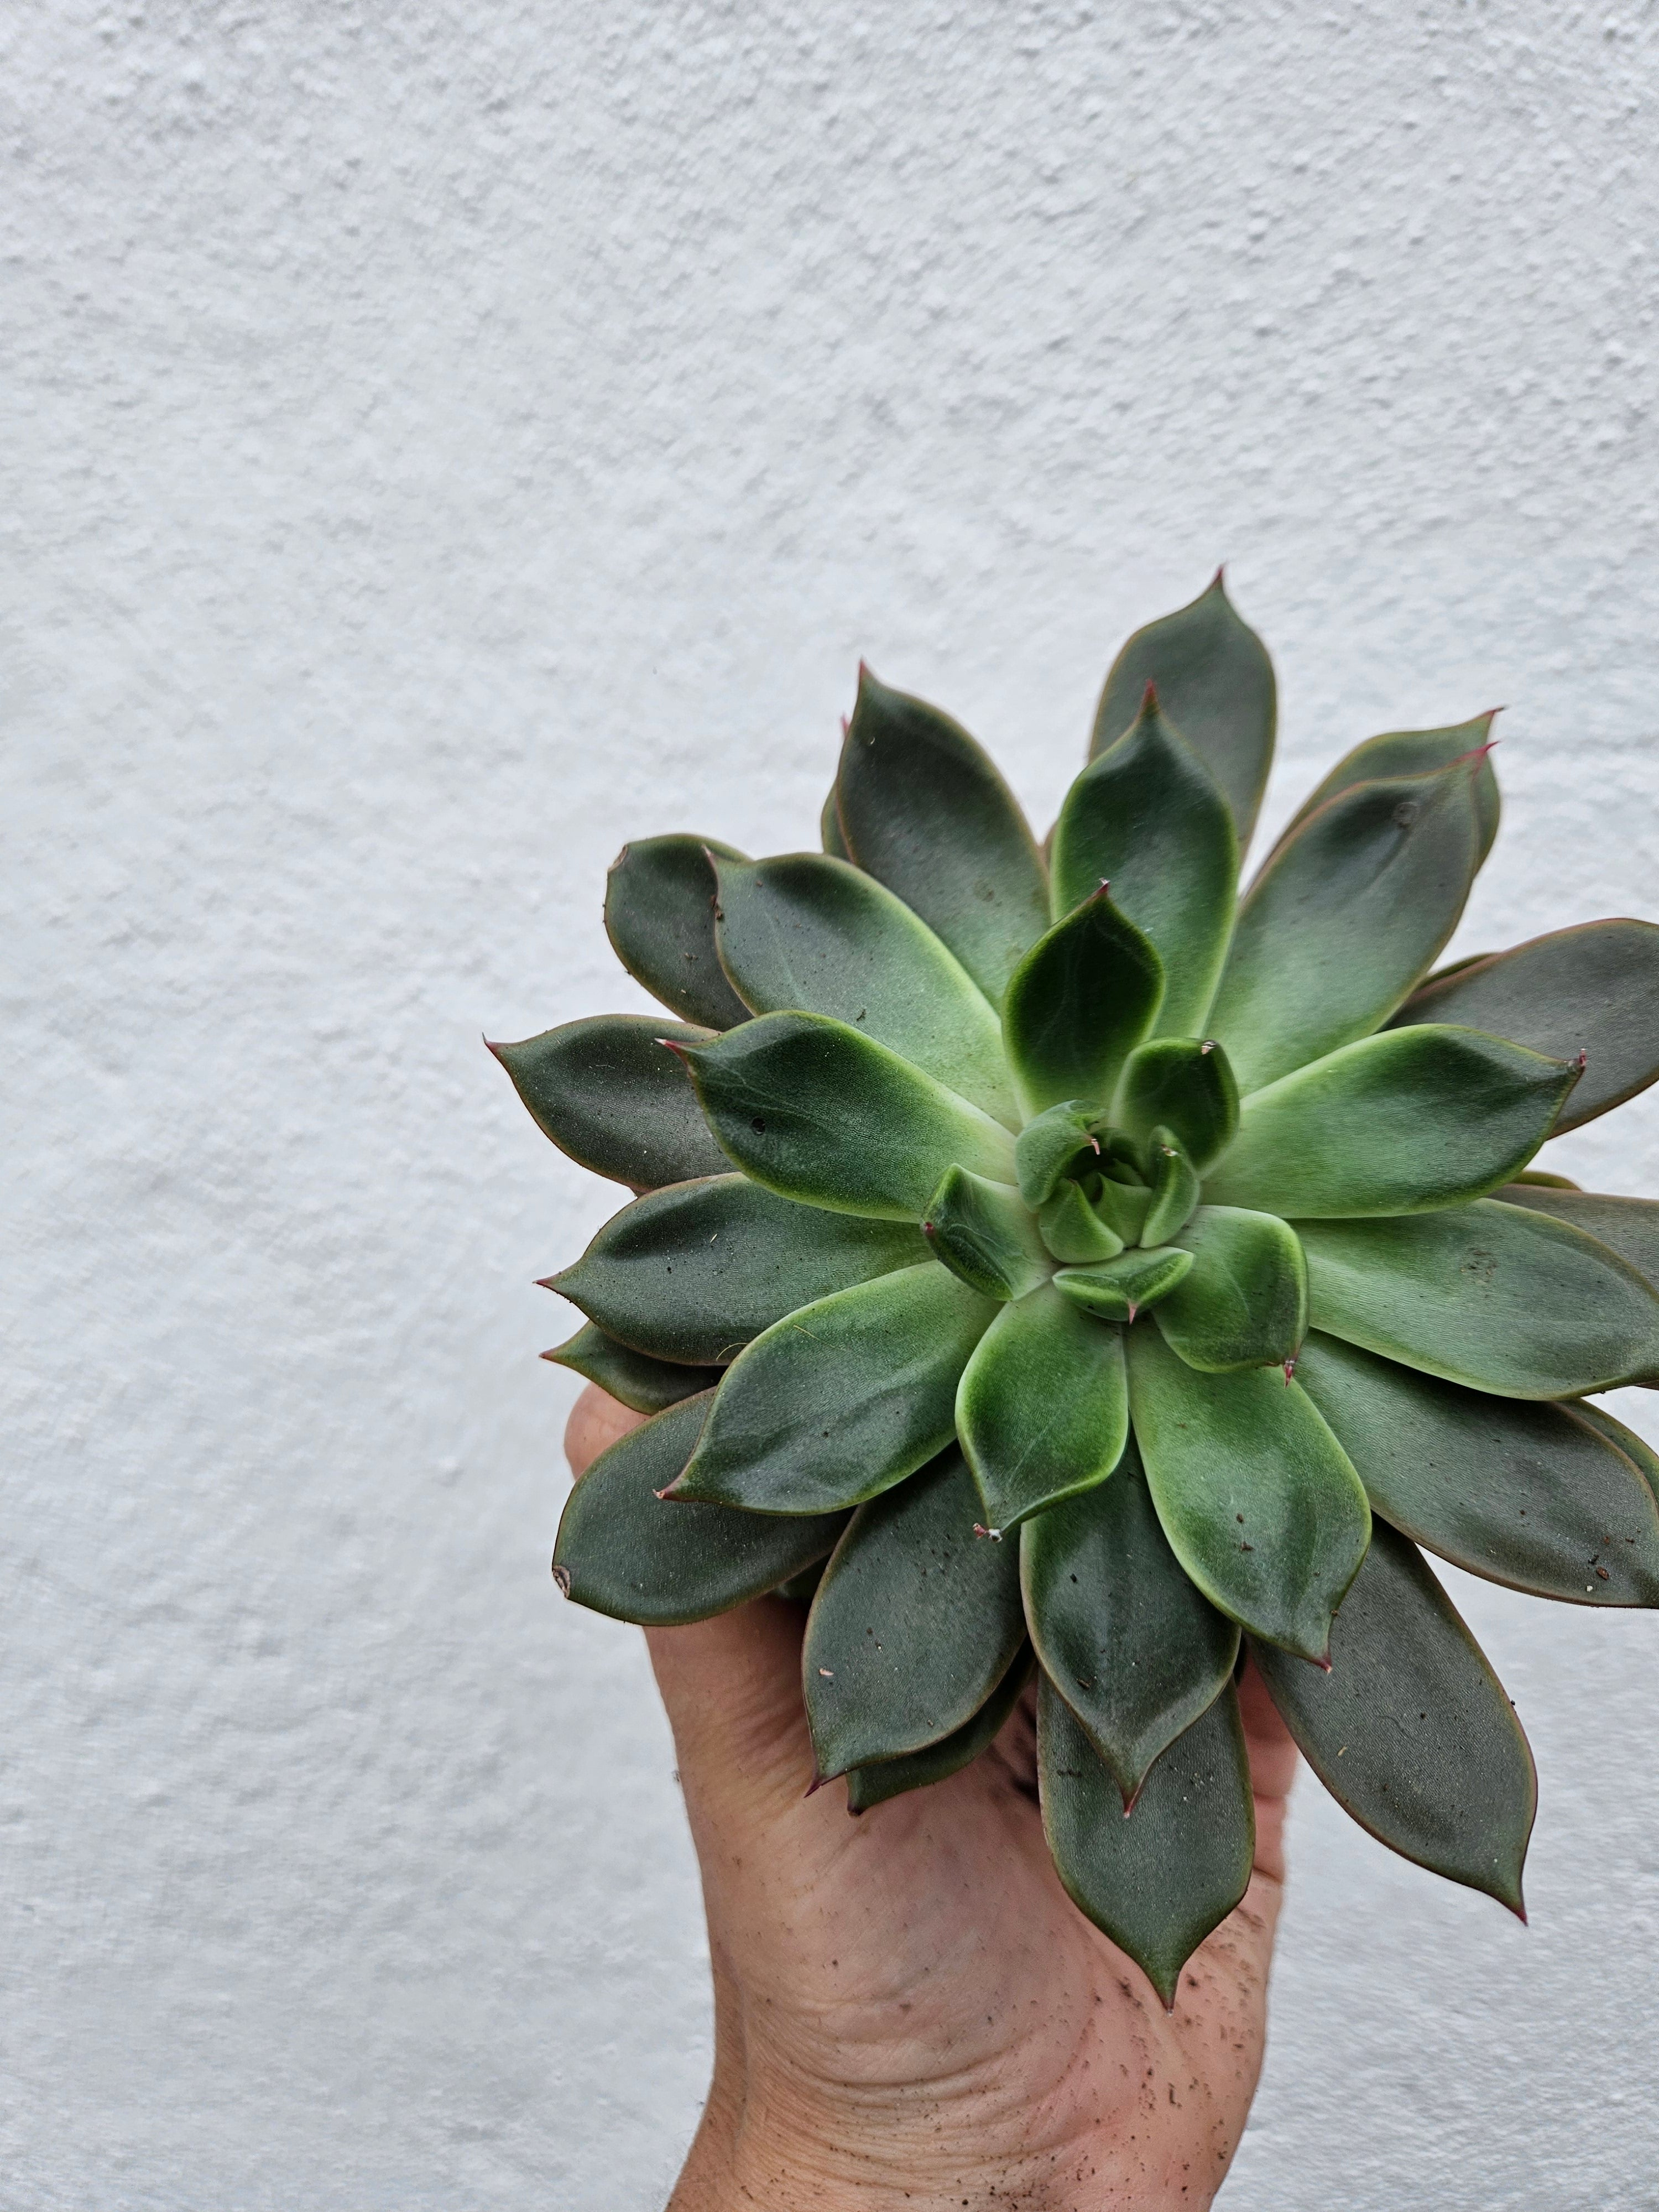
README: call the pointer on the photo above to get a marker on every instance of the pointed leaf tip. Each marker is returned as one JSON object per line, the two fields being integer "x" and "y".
{"x": 1149, "y": 697}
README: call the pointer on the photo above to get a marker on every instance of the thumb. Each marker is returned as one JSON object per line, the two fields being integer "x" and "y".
{"x": 597, "y": 1421}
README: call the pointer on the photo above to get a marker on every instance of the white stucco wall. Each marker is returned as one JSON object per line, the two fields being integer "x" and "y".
{"x": 441, "y": 442}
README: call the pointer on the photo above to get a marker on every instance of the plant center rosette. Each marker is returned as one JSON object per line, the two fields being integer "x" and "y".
{"x": 1047, "y": 1262}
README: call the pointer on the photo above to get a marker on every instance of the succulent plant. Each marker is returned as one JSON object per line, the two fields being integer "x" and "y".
{"x": 1045, "y": 1262}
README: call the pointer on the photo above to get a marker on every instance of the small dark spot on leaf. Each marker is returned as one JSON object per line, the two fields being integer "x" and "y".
{"x": 757, "y": 1123}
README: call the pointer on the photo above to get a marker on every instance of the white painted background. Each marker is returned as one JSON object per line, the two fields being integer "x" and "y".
{"x": 441, "y": 442}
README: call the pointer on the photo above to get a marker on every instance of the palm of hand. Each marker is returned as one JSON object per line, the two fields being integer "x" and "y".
{"x": 909, "y": 2008}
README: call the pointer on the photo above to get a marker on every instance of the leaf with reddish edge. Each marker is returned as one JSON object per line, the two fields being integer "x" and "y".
{"x": 916, "y": 1621}
{"x": 1593, "y": 990}
{"x": 605, "y": 1091}
{"x": 1410, "y": 1730}
{"x": 1259, "y": 1502}
{"x": 885, "y": 1778}
{"x": 841, "y": 1400}
{"x": 923, "y": 809}
{"x": 1042, "y": 1407}
{"x": 1147, "y": 816}
{"x": 1159, "y": 1878}
{"x": 634, "y": 1379}
{"x": 660, "y": 917}
{"x": 1540, "y": 1497}
{"x": 624, "y": 1550}
{"x": 1124, "y": 1636}
{"x": 1216, "y": 684}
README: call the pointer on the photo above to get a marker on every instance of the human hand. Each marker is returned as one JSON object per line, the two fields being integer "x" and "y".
{"x": 908, "y": 2009}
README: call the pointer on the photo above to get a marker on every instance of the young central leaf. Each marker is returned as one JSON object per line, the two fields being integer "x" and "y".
{"x": 1079, "y": 1003}
{"x": 1117, "y": 1289}
{"x": 1244, "y": 1302}
{"x": 981, "y": 1233}
{"x": 1185, "y": 1086}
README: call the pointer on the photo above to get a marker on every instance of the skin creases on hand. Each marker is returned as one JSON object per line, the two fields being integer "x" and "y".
{"x": 907, "y": 2006}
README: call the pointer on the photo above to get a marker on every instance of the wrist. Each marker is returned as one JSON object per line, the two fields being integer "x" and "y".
{"x": 774, "y": 2146}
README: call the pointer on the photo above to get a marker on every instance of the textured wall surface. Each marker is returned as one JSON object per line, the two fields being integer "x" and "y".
{"x": 441, "y": 441}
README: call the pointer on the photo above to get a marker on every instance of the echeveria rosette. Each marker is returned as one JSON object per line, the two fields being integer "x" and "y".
{"x": 1054, "y": 1263}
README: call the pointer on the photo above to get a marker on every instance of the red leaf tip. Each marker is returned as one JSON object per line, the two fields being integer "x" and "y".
{"x": 1149, "y": 697}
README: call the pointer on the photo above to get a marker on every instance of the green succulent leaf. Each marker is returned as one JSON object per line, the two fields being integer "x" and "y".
{"x": 830, "y": 830}
{"x": 1127, "y": 1286}
{"x": 1534, "y": 1495}
{"x": 623, "y": 1550}
{"x": 924, "y": 811}
{"x": 1215, "y": 683}
{"x": 808, "y": 933}
{"x": 935, "y": 1762}
{"x": 1176, "y": 1188}
{"x": 1073, "y": 1231}
{"x": 660, "y": 917}
{"x": 1259, "y": 1503}
{"x": 694, "y": 1272}
{"x": 1042, "y": 1408}
{"x": 1636, "y": 1449}
{"x": 842, "y": 1399}
{"x": 1123, "y": 1207}
{"x": 817, "y": 1112}
{"x": 1147, "y": 816}
{"x": 1047, "y": 1146}
{"x": 1502, "y": 1297}
{"x": 1244, "y": 1302}
{"x": 981, "y": 1233}
{"x": 915, "y": 1623}
{"x": 1411, "y": 1731}
{"x": 1628, "y": 1226}
{"x": 1402, "y": 1123}
{"x": 645, "y": 1384}
{"x": 1078, "y": 1004}
{"x": 1124, "y": 1637}
{"x": 1183, "y": 1084}
{"x": 1158, "y": 1879}
{"x": 606, "y": 1092}
{"x": 1593, "y": 990}
{"x": 1416, "y": 752}
{"x": 1117, "y": 1289}
{"x": 1344, "y": 919}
